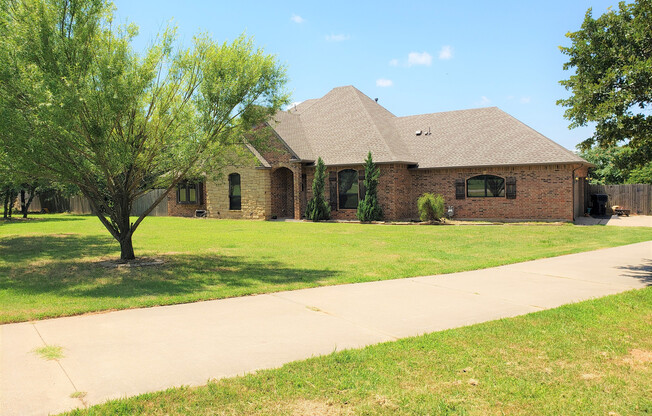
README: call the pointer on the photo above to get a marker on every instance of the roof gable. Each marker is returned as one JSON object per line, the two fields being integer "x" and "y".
{"x": 345, "y": 124}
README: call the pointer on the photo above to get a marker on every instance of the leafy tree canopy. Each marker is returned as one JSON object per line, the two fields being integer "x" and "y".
{"x": 612, "y": 83}
{"x": 78, "y": 105}
{"x": 614, "y": 165}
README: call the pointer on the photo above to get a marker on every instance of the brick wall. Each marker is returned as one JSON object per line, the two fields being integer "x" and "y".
{"x": 255, "y": 194}
{"x": 185, "y": 210}
{"x": 393, "y": 190}
{"x": 282, "y": 190}
{"x": 542, "y": 192}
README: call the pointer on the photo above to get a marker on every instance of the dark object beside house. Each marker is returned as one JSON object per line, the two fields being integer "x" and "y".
{"x": 599, "y": 204}
{"x": 620, "y": 211}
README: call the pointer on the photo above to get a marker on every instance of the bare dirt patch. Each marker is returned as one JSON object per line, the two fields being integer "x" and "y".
{"x": 317, "y": 408}
{"x": 140, "y": 262}
{"x": 638, "y": 358}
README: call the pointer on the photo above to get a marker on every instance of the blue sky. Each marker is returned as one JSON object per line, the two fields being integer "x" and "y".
{"x": 415, "y": 57}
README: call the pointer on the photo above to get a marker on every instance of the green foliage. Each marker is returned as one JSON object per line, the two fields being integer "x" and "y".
{"x": 368, "y": 208}
{"x": 605, "y": 171}
{"x": 50, "y": 352}
{"x": 612, "y": 83}
{"x": 79, "y": 106}
{"x": 616, "y": 165}
{"x": 430, "y": 207}
{"x": 9, "y": 185}
{"x": 641, "y": 175}
{"x": 318, "y": 209}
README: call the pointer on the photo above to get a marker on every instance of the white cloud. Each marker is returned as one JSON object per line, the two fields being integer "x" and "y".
{"x": 446, "y": 52}
{"x": 416, "y": 58}
{"x": 525, "y": 100}
{"x": 393, "y": 62}
{"x": 297, "y": 19}
{"x": 484, "y": 101}
{"x": 382, "y": 82}
{"x": 337, "y": 38}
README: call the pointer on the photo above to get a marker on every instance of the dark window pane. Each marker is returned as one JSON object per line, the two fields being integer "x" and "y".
{"x": 475, "y": 187}
{"x": 192, "y": 192}
{"x": 348, "y": 188}
{"x": 485, "y": 186}
{"x": 234, "y": 192}
{"x": 234, "y": 203}
{"x": 182, "y": 195}
{"x": 495, "y": 186}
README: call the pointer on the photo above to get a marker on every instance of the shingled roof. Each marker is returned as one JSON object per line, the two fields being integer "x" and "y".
{"x": 344, "y": 125}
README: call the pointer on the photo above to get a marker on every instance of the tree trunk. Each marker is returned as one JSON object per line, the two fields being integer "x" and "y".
{"x": 127, "y": 248}
{"x": 6, "y": 207}
{"x": 25, "y": 204}
{"x": 12, "y": 196}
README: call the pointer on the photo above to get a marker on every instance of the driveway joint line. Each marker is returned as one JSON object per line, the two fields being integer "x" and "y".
{"x": 617, "y": 286}
{"x": 57, "y": 360}
{"x": 357, "y": 324}
{"x": 478, "y": 294}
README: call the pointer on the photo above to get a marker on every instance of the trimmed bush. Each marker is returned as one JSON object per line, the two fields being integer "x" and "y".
{"x": 431, "y": 207}
{"x": 368, "y": 208}
{"x": 318, "y": 209}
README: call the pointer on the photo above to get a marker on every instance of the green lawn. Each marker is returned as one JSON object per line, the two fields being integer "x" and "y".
{"x": 49, "y": 265}
{"x": 590, "y": 358}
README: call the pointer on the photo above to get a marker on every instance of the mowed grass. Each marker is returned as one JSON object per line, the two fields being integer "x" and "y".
{"x": 49, "y": 265}
{"x": 590, "y": 358}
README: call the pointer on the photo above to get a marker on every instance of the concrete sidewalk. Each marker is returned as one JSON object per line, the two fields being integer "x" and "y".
{"x": 125, "y": 353}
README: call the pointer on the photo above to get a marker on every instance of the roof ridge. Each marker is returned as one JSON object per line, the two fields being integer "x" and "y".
{"x": 452, "y": 111}
{"x": 373, "y": 122}
{"x": 305, "y": 103}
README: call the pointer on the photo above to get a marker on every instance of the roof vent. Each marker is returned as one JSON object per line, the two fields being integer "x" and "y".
{"x": 376, "y": 99}
{"x": 418, "y": 132}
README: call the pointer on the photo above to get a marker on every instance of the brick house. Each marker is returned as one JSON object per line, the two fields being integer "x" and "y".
{"x": 485, "y": 163}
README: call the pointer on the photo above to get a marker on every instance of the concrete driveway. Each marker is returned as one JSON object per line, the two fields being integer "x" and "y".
{"x": 619, "y": 221}
{"x": 125, "y": 353}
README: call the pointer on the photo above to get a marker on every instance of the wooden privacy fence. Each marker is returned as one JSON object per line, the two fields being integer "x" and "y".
{"x": 143, "y": 202}
{"x": 637, "y": 197}
{"x": 79, "y": 205}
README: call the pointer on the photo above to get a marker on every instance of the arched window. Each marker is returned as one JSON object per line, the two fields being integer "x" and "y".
{"x": 347, "y": 182}
{"x": 234, "y": 192}
{"x": 485, "y": 186}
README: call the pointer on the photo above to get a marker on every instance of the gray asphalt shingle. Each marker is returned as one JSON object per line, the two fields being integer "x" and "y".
{"x": 342, "y": 126}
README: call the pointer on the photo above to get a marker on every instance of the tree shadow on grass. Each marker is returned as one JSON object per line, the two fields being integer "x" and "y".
{"x": 19, "y": 220}
{"x": 22, "y": 250}
{"x": 68, "y": 266}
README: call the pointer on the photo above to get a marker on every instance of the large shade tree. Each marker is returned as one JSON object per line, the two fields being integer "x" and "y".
{"x": 78, "y": 105}
{"x": 611, "y": 86}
